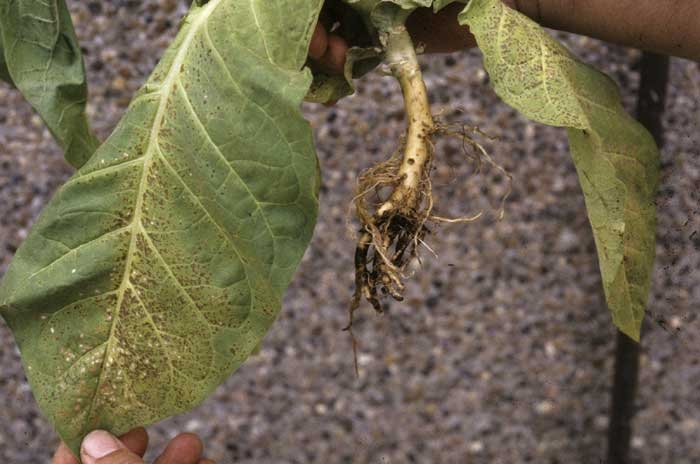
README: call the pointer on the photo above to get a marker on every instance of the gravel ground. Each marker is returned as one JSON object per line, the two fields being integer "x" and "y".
{"x": 502, "y": 352}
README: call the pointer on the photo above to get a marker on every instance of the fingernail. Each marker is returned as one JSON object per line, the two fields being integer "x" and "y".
{"x": 99, "y": 444}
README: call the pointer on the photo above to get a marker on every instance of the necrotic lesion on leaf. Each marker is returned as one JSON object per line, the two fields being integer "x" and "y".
{"x": 157, "y": 269}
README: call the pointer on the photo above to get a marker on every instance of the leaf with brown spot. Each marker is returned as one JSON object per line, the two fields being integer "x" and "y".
{"x": 158, "y": 268}
{"x": 616, "y": 158}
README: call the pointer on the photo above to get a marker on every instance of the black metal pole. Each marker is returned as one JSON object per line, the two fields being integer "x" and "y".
{"x": 651, "y": 101}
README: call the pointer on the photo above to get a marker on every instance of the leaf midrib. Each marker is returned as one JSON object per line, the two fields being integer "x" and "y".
{"x": 166, "y": 88}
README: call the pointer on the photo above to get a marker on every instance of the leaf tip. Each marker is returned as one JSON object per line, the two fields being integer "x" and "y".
{"x": 633, "y": 330}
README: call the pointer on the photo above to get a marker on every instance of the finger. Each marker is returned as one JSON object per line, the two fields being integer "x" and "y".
{"x": 63, "y": 456}
{"x": 100, "y": 447}
{"x": 333, "y": 61}
{"x": 319, "y": 42}
{"x": 186, "y": 448}
{"x": 136, "y": 440}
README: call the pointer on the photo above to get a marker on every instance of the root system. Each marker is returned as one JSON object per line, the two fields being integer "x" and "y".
{"x": 394, "y": 200}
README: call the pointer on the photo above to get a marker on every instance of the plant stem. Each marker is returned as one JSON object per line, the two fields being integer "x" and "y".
{"x": 403, "y": 63}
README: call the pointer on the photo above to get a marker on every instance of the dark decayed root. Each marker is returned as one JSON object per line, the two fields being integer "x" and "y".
{"x": 388, "y": 240}
{"x": 388, "y": 243}
{"x": 394, "y": 199}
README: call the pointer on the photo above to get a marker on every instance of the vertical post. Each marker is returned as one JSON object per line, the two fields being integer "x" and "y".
{"x": 651, "y": 101}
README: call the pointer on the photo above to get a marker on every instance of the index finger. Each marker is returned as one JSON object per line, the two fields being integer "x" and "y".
{"x": 64, "y": 456}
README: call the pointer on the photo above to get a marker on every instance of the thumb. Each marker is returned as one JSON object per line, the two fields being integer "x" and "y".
{"x": 100, "y": 447}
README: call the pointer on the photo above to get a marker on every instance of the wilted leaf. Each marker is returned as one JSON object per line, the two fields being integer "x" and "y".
{"x": 43, "y": 59}
{"x": 358, "y": 62}
{"x": 157, "y": 269}
{"x": 616, "y": 158}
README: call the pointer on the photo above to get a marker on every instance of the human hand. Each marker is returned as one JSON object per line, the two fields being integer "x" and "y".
{"x": 662, "y": 26}
{"x": 100, "y": 447}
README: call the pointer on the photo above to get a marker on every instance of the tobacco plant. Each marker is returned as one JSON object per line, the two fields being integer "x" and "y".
{"x": 156, "y": 270}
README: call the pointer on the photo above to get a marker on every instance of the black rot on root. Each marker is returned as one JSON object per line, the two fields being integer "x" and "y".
{"x": 391, "y": 230}
{"x": 394, "y": 199}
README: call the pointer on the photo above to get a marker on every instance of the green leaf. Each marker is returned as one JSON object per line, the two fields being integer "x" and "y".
{"x": 411, "y": 4}
{"x": 367, "y": 6}
{"x": 43, "y": 59}
{"x": 390, "y": 14}
{"x": 158, "y": 268}
{"x": 387, "y": 13}
{"x": 616, "y": 158}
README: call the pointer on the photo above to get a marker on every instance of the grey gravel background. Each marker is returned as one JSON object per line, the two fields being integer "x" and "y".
{"x": 502, "y": 352}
